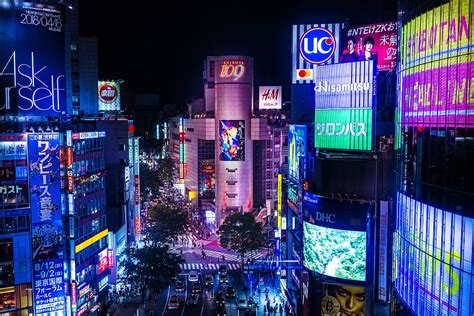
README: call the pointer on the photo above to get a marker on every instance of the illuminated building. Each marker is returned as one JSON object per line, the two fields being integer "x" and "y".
{"x": 433, "y": 237}
{"x": 217, "y": 147}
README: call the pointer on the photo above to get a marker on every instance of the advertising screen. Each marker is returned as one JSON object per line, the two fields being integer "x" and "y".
{"x": 335, "y": 252}
{"x": 32, "y": 60}
{"x": 433, "y": 270}
{"x": 347, "y": 129}
{"x": 436, "y": 62}
{"x": 46, "y": 222}
{"x": 376, "y": 42}
{"x": 232, "y": 140}
{"x": 207, "y": 179}
{"x": 269, "y": 97}
{"x": 297, "y": 138}
{"x": 313, "y": 44}
{"x": 14, "y": 190}
{"x": 109, "y": 96}
{"x": 342, "y": 299}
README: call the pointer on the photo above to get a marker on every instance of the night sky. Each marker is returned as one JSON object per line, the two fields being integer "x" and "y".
{"x": 159, "y": 47}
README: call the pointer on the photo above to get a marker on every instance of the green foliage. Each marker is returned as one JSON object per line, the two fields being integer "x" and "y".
{"x": 335, "y": 252}
{"x": 166, "y": 223}
{"x": 151, "y": 268}
{"x": 165, "y": 167}
{"x": 241, "y": 233}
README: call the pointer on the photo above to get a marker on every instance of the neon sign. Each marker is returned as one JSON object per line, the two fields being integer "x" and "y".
{"x": 232, "y": 69}
{"x": 317, "y": 45}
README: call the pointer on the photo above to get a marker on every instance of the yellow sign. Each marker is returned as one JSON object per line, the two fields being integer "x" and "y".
{"x": 279, "y": 199}
{"x": 83, "y": 245}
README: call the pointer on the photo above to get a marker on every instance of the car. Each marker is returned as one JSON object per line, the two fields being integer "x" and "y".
{"x": 223, "y": 279}
{"x": 180, "y": 287}
{"x": 192, "y": 299}
{"x": 220, "y": 310}
{"x": 208, "y": 280}
{"x": 222, "y": 269}
{"x": 193, "y": 276}
{"x": 196, "y": 288}
{"x": 230, "y": 291}
{"x": 242, "y": 303}
{"x": 173, "y": 303}
{"x": 219, "y": 298}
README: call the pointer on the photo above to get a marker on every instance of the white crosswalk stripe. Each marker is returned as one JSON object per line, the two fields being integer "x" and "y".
{"x": 233, "y": 257}
{"x": 207, "y": 266}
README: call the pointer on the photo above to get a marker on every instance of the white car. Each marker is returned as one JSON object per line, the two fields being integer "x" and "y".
{"x": 193, "y": 276}
{"x": 242, "y": 303}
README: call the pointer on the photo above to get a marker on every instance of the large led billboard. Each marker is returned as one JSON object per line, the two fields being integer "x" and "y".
{"x": 109, "y": 96}
{"x": 231, "y": 140}
{"x": 335, "y": 252}
{"x": 436, "y": 61}
{"x": 376, "y": 42}
{"x": 347, "y": 129}
{"x": 14, "y": 189}
{"x": 313, "y": 44}
{"x": 46, "y": 222}
{"x": 433, "y": 270}
{"x": 297, "y": 139}
{"x": 32, "y": 59}
{"x": 335, "y": 237}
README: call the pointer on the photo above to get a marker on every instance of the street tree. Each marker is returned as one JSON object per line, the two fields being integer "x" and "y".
{"x": 151, "y": 268}
{"x": 166, "y": 223}
{"x": 241, "y": 233}
{"x": 165, "y": 168}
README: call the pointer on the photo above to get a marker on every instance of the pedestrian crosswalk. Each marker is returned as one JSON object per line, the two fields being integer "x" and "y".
{"x": 254, "y": 255}
{"x": 207, "y": 266}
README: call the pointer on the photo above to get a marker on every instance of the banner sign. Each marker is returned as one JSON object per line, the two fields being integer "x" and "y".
{"x": 46, "y": 220}
{"x": 269, "y": 98}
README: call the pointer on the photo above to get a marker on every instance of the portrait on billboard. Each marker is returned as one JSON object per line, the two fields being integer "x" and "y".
{"x": 232, "y": 140}
{"x": 340, "y": 299}
{"x": 335, "y": 252}
{"x": 377, "y": 42}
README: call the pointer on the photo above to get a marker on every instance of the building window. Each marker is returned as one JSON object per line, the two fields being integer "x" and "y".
{"x": 6, "y": 263}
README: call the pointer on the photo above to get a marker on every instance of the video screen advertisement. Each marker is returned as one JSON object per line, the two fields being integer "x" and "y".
{"x": 32, "y": 82}
{"x": 46, "y": 222}
{"x": 437, "y": 67}
{"x": 297, "y": 140}
{"x": 232, "y": 140}
{"x": 207, "y": 178}
{"x": 109, "y": 96}
{"x": 378, "y": 42}
{"x": 344, "y": 105}
{"x": 336, "y": 238}
{"x": 433, "y": 270}
{"x": 313, "y": 44}
{"x": 343, "y": 299}
{"x": 14, "y": 189}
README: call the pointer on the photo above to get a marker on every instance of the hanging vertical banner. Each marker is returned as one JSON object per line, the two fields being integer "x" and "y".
{"x": 46, "y": 222}
{"x": 383, "y": 240}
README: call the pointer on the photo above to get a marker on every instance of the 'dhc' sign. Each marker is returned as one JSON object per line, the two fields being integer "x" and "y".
{"x": 317, "y": 45}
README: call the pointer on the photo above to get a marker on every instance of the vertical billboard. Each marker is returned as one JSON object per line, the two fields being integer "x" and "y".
{"x": 46, "y": 222}
{"x": 109, "y": 96}
{"x": 207, "y": 178}
{"x": 232, "y": 140}
{"x": 14, "y": 190}
{"x": 313, "y": 44}
{"x": 297, "y": 138}
{"x": 436, "y": 61}
{"x": 335, "y": 237}
{"x": 376, "y": 42}
{"x": 32, "y": 60}
{"x": 344, "y": 101}
{"x": 343, "y": 299}
{"x": 269, "y": 98}
{"x": 433, "y": 270}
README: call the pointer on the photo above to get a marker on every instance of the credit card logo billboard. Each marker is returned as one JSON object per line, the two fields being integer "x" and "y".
{"x": 317, "y": 45}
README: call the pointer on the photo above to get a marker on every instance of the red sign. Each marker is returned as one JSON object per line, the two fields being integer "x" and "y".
{"x": 103, "y": 261}
{"x": 371, "y": 42}
{"x": 137, "y": 225}
{"x": 108, "y": 92}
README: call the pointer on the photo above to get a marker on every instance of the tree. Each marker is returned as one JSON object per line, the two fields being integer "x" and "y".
{"x": 240, "y": 232}
{"x": 166, "y": 223}
{"x": 150, "y": 268}
{"x": 165, "y": 167}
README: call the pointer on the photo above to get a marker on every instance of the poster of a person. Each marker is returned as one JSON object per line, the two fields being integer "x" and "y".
{"x": 350, "y": 54}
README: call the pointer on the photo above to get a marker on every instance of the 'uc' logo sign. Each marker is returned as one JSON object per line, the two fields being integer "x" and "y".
{"x": 317, "y": 45}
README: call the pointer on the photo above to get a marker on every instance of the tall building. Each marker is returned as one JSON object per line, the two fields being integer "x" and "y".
{"x": 215, "y": 146}
{"x": 433, "y": 235}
